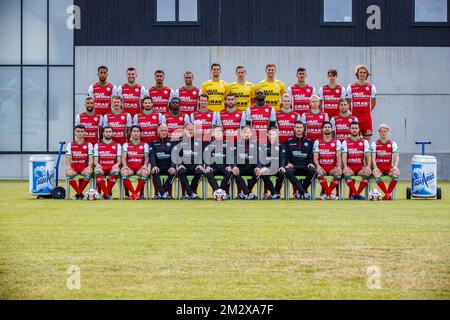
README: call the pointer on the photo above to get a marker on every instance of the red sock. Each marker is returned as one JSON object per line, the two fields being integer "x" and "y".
{"x": 362, "y": 185}
{"x": 111, "y": 182}
{"x": 83, "y": 184}
{"x": 351, "y": 185}
{"x": 127, "y": 183}
{"x": 392, "y": 185}
{"x": 324, "y": 184}
{"x": 101, "y": 183}
{"x": 334, "y": 183}
{"x": 74, "y": 185}
{"x": 382, "y": 186}
{"x": 140, "y": 186}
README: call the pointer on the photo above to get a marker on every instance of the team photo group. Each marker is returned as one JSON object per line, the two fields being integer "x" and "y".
{"x": 231, "y": 134}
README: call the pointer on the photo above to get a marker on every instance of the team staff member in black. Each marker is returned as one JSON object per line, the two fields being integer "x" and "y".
{"x": 187, "y": 155}
{"x": 269, "y": 163}
{"x": 160, "y": 160}
{"x": 299, "y": 159}
{"x": 246, "y": 161}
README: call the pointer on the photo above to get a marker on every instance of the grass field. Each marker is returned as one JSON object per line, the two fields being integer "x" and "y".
{"x": 229, "y": 250}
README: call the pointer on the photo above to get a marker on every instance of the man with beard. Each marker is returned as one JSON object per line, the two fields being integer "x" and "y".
{"x": 91, "y": 121}
{"x": 175, "y": 120}
{"x": 148, "y": 120}
{"x": 102, "y": 91}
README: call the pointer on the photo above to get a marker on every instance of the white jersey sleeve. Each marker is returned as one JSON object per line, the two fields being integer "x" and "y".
{"x": 273, "y": 115}
{"x": 143, "y": 93}
{"x": 303, "y": 117}
{"x": 374, "y": 92}
{"x": 333, "y": 124}
{"x": 129, "y": 120}
{"x": 394, "y": 147}
{"x": 114, "y": 91}
{"x": 135, "y": 120}
{"x": 326, "y": 117}
{"x": 313, "y": 91}
{"x": 320, "y": 93}
{"x": 77, "y": 119}
{"x": 366, "y": 146}
{"x": 216, "y": 119}
{"x": 146, "y": 150}
{"x": 90, "y": 92}
{"x": 248, "y": 115}
{"x": 289, "y": 91}
{"x": 125, "y": 147}
{"x": 90, "y": 149}
{"x": 338, "y": 146}
{"x": 186, "y": 119}
{"x": 192, "y": 118}
{"x": 119, "y": 91}
{"x": 162, "y": 119}
{"x": 243, "y": 122}
{"x": 344, "y": 146}
{"x": 316, "y": 146}
{"x": 96, "y": 150}
{"x": 373, "y": 147}
{"x": 343, "y": 93}
{"x": 69, "y": 149}
{"x": 348, "y": 92}
{"x": 119, "y": 150}
{"x": 105, "y": 120}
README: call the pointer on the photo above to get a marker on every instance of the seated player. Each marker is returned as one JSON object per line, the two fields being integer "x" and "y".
{"x": 175, "y": 120}
{"x": 188, "y": 159}
{"x": 271, "y": 157}
{"x": 385, "y": 160}
{"x": 135, "y": 162}
{"x": 230, "y": 119}
{"x": 245, "y": 164}
{"x": 107, "y": 158}
{"x": 341, "y": 122}
{"x": 261, "y": 116}
{"x": 161, "y": 162}
{"x": 327, "y": 159}
{"x": 356, "y": 161}
{"x": 79, "y": 161}
{"x": 218, "y": 160}
{"x": 119, "y": 120}
{"x": 299, "y": 161}
{"x": 148, "y": 120}
{"x": 314, "y": 118}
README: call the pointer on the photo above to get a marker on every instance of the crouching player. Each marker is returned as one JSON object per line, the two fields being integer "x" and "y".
{"x": 245, "y": 164}
{"x": 356, "y": 161}
{"x": 385, "y": 161}
{"x": 135, "y": 162}
{"x": 218, "y": 158}
{"x": 107, "y": 158}
{"x": 79, "y": 161}
{"x": 327, "y": 159}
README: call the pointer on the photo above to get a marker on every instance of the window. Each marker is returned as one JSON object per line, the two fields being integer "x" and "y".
{"x": 337, "y": 12}
{"x": 176, "y": 12}
{"x": 431, "y": 11}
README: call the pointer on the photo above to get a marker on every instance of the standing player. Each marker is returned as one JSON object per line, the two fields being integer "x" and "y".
{"x": 243, "y": 91}
{"x": 341, "y": 122}
{"x": 261, "y": 116}
{"x": 102, "y": 91}
{"x": 175, "y": 120}
{"x": 361, "y": 96}
{"x": 286, "y": 118}
{"x": 215, "y": 89}
{"x": 230, "y": 119}
{"x": 331, "y": 94}
{"x": 385, "y": 160}
{"x": 119, "y": 120}
{"x": 327, "y": 159}
{"x": 148, "y": 120}
{"x": 188, "y": 94}
{"x": 314, "y": 118}
{"x": 301, "y": 92}
{"x": 107, "y": 159}
{"x": 92, "y": 122}
{"x": 273, "y": 88}
{"x": 79, "y": 162}
{"x": 356, "y": 161}
{"x": 135, "y": 162}
{"x": 202, "y": 119}
{"x": 160, "y": 93}
{"x": 131, "y": 93}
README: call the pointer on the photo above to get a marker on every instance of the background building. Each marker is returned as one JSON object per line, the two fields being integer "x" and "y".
{"x": 46, "y": 67}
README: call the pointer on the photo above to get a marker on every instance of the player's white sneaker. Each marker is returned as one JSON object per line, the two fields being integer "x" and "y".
{"x": 333, "y": 197}
{"x": 251, "y": 196}
{"x": 323, "y": 196}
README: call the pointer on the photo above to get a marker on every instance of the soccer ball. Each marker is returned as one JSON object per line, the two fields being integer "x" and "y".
{"x": 92, "y": 194}
{"x": 374, "y": 195}
{"x": 219, "y": 195}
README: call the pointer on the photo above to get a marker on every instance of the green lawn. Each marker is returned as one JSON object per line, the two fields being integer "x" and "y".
{"x": 223, "y": 250}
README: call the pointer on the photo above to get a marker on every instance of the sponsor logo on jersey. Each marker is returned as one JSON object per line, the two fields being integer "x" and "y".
{"x": 108, "y": 89}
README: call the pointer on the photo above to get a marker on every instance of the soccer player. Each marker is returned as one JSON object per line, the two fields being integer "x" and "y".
{"x": 160, "y": 93}
{"x": 361, "y": 96}
{"x": 243, "y": 91}
{"x": 119, "y": 120}
{"x": 188, "y": 94}
{"x": 271, "y": 157}
{"x": 299, "y": 161}
{"x": 314, "y": 118}
{"x": 301, "y": 92}
{"x": 245, "y": 164}
{"x": 215, "y": 89}
{"x": 385, "y": 160}
{"x": 202, "y": 119}
{"x": 356, "y": 159}
{"x": 261, "y": 116}
{"x": 341, "y": 122}
{"x": 79, "y": 161}
{"x": 331, "y": 94}
{"x": 148, "y": 120}
{"x": 131, "y": 93}
{"x": 92, "y": 122}
{"x": 327, "y": 160}
{"x": 107, "y": 159}
{"x": 219, "y": 158}
{"x": 230, "y": 119}
{"x": 286, "y": 119}
{"x": 135, "y": 158}
{"x": 102, "y": 91}
{"x": 175, "y": 120}
{"x": 273, "y": 88}
{"x": 188, "y": 159}
{"x": 161, "y": 162}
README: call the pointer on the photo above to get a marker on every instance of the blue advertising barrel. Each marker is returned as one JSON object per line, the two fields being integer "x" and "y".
{"x": 42, "y": 175}
{"x": 424, "y": 176}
